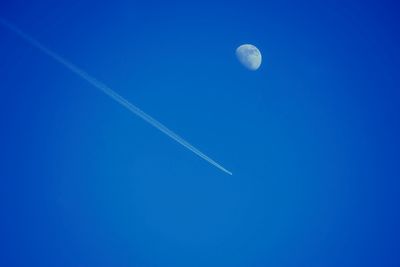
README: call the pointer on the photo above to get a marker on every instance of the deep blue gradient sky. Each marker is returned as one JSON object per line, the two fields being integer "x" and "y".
{"x": 311, "y": 137}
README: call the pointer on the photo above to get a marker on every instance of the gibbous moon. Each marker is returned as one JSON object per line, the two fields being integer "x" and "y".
{"x": 249, "y": 56}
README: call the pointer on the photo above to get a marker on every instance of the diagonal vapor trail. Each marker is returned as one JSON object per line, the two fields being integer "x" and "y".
{"x": 111, "y": 93}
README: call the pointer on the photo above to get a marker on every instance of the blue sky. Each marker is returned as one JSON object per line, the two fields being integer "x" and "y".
{"x": 311, "y": 137}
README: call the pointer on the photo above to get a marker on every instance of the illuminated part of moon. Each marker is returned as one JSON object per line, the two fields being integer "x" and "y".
{"x": 249, "y": 56}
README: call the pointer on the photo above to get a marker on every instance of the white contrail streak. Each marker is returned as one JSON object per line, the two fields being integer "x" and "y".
{"x": 111, "y": 93}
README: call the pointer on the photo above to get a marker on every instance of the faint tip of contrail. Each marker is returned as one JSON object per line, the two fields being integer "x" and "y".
{"x": 228, "y": 172}
{"x": 111, "y": 93}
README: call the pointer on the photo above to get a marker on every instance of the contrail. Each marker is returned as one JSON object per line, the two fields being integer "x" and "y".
{"x": 111, "y": 93}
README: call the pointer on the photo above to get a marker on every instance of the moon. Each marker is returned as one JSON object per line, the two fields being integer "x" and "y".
{"x": 249, "y": 56}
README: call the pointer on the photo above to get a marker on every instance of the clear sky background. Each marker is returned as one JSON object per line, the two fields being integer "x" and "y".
{"x": 311, "y": 137}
